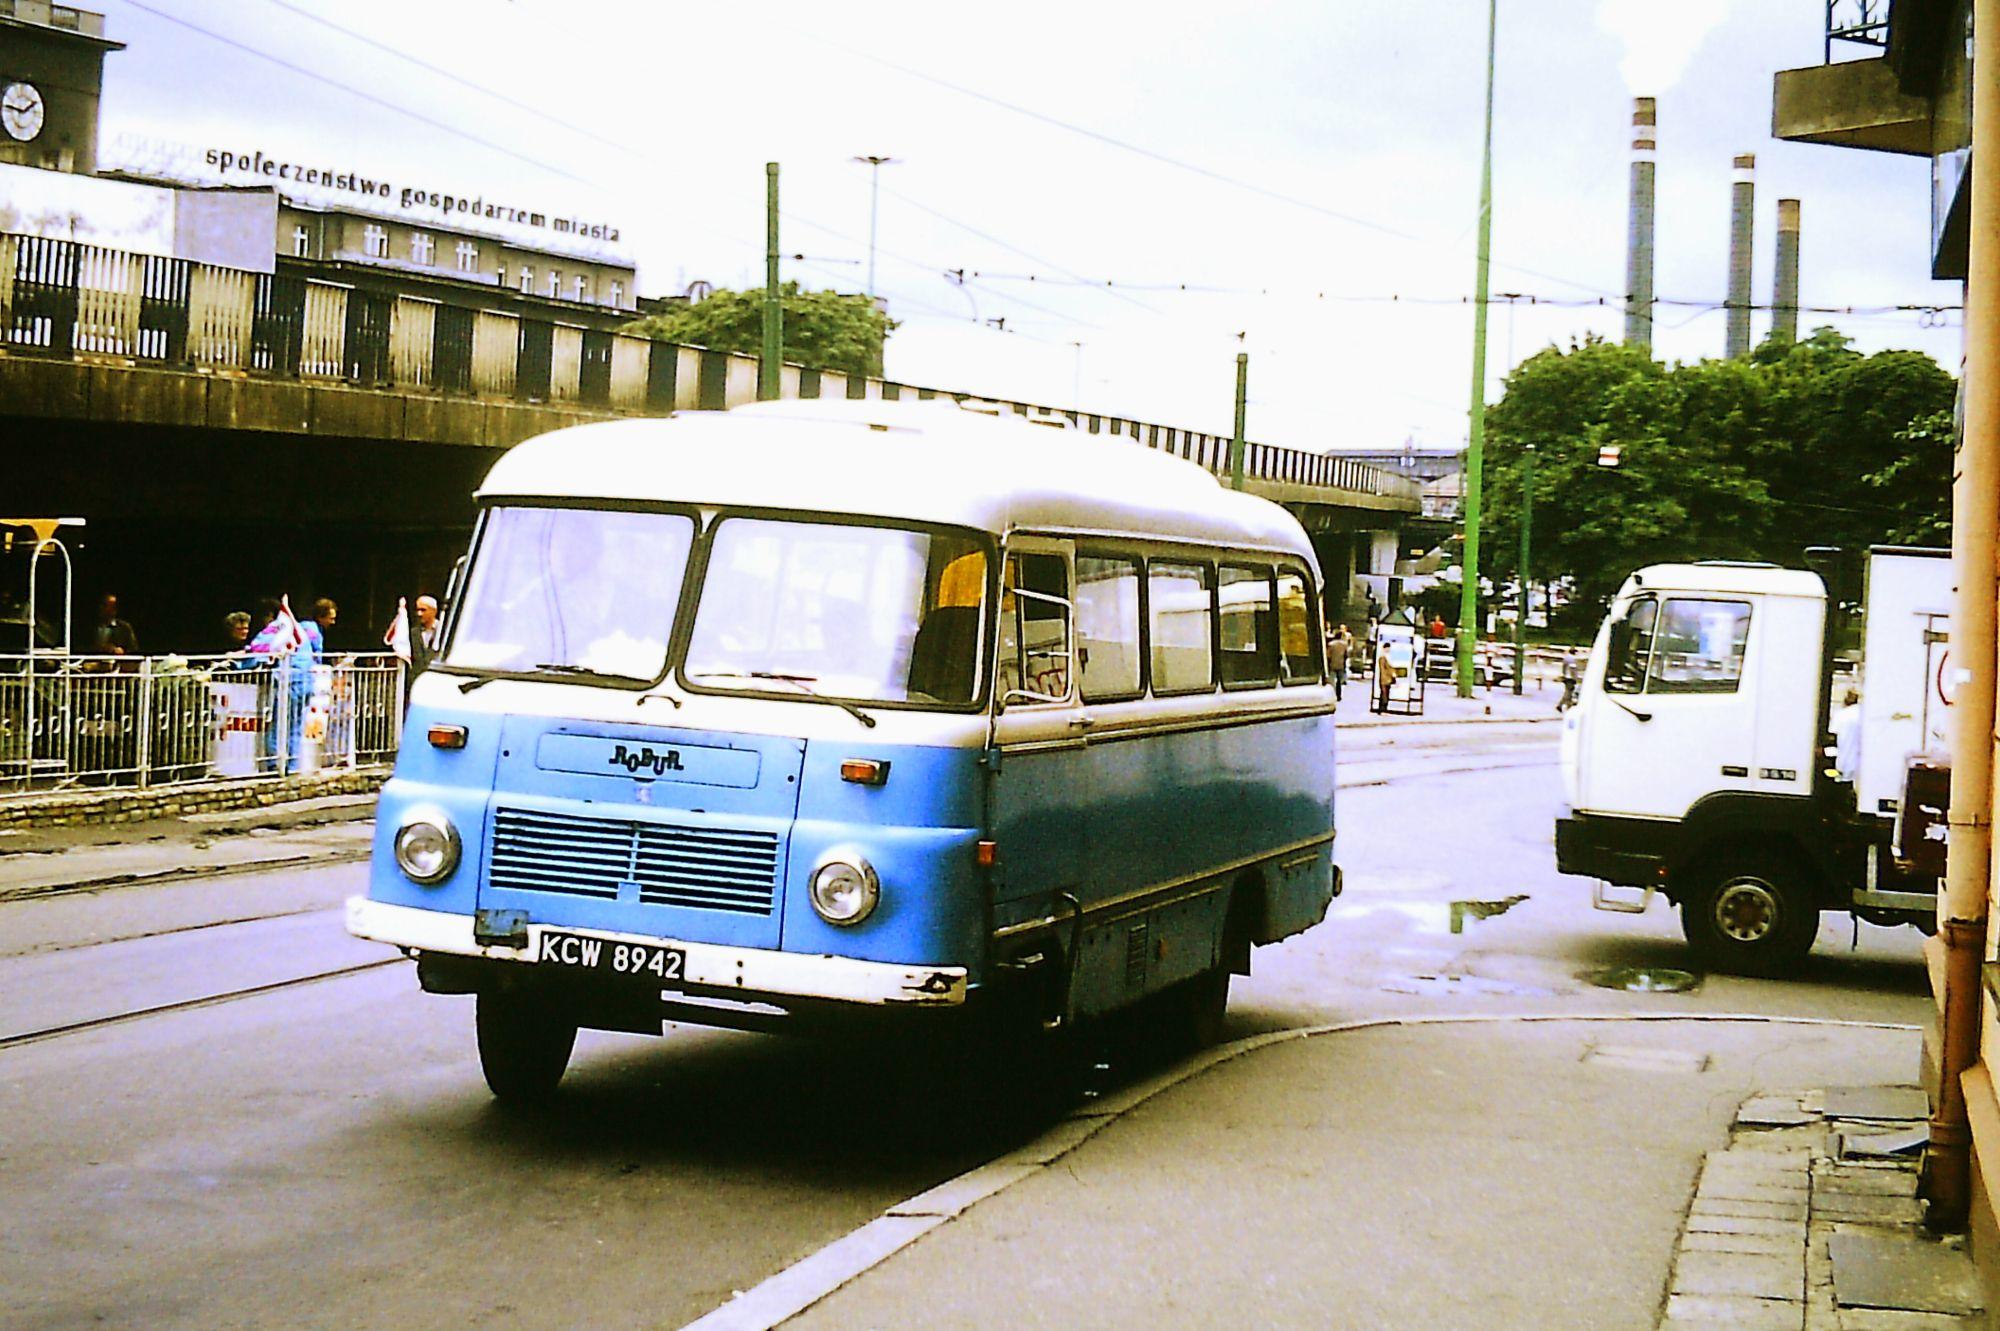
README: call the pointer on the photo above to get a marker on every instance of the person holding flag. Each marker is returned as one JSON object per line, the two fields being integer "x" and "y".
{"x": 284, "y": 642}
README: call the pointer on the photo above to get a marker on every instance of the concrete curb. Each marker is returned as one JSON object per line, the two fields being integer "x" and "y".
{"x": 799, "y": 1286}
{"x": 1451, "y": 721}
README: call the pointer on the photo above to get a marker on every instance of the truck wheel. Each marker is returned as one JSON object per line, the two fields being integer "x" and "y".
{"x": 524, "y": 1045}
{"x": 1751, "y": 915}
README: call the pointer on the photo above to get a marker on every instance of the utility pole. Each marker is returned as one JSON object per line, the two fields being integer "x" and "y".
{"x": 1475, "y": 449}
{"x": 771, "y": 365}
{"x": 1521, "y": 605}
{"x": 875, "y": 165}
{"x": 1236, "y": 441}
{"x": 1960, "y": 944}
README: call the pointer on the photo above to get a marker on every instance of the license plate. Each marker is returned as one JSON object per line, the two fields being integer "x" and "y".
{"x": 604, "y": 956}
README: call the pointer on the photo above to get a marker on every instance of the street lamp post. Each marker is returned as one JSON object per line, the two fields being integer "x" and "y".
{"x": 1521, "y": 604}
{"x": 1468, "y": 603}
{"x": 875, "y": 165}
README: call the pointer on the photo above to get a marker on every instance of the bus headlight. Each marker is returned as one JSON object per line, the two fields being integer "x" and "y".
{"x": 427, "y": 847}
{"x": 844, "y": 887}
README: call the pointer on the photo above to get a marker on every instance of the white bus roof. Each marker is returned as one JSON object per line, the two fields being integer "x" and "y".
{"x": 915, "y": 461}
{"x": 1722, "y": 576}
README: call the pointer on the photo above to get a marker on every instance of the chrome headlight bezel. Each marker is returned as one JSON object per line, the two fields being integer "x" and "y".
{"x": 849, "y": 868}
{"x": 416, "y": 822}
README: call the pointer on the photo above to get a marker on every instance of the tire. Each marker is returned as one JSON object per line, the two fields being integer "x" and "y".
{"x": 1203, "y": 1004}
{"x": 1751, "y": 914}
{"x": 524, "y": 1045}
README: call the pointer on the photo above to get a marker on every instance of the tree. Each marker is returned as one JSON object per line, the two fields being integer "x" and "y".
{"x": 824, "y": 330}
{"x": 1803, "y": 444}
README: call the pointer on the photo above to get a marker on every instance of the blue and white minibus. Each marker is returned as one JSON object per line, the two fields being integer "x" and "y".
{"x": 808, "y": 711}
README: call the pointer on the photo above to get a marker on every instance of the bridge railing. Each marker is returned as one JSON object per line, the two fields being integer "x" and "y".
{"x": 70, "y": 300}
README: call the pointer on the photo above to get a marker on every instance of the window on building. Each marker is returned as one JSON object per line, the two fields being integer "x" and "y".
{"x": 422, "y": 247}
{"x": 468, "y": 257}
{"x": 1180, "y": 615}
{"x": 527, "y": 278}
{"x": 555, "y": 282}
{"x": 582, "y": 289}
{"x": 374, "y": 241}
{"x": 1107, "y": 626}
{"x": 617, "y": 293}
{"x": 301, "y": 242}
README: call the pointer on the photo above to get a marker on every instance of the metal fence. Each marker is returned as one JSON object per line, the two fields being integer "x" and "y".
{"x": 69, "y": 721}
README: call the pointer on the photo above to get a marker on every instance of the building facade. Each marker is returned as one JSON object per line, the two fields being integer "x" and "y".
{"x": 51, "y": 78}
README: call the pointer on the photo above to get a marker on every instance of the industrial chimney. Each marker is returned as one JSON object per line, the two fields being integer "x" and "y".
{"x": 1639, "y": 231}
{"x": 1785, "y": 289}
{"x": 1742, "y": 200}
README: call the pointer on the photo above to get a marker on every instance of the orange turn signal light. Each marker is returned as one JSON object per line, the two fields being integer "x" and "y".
{"x": 864, "y": 771}
{"x": 987, "y": 853}
{"x": 447, "y": 737}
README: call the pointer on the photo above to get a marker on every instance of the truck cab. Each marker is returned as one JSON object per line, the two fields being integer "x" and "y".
{"x": 1699, "y": 761}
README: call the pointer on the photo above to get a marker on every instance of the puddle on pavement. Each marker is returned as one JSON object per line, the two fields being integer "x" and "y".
{"x": 1644, "y": 979}
{"x": 1461, "y": 911}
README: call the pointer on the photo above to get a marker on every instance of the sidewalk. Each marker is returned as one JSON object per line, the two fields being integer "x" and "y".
{"x": 330, "y": 830}
{"x": 1484, "y": 1173}
{"x": 1443, "y": 706}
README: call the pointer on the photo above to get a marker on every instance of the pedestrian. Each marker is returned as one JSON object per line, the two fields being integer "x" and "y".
{"x": 288, "y": 645}
{"x": 113, "y": 636}
{"x": 1572, "y": 676}
{"x": 1336, "y": 659}
{"x": 1438, "y": 628}
{"x": 319, "y": 628}
{"x": 425, "y": 642}
{"x": 1846, "y": 728}
{"x": 235, "y": 632}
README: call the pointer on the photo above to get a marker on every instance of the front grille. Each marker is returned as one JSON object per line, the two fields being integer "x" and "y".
{"x": 710, "y": 868}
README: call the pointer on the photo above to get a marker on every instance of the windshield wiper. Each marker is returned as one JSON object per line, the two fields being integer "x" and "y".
{"x": 585, "y": 672}
{"x": 804, "y": 683}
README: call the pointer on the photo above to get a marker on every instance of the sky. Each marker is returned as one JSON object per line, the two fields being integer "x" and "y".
{"x": 1292, "y": 179}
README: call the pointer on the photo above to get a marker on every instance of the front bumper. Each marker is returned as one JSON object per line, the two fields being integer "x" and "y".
{"x": 745, "y": 972}
{"x": 1622, "y": 851}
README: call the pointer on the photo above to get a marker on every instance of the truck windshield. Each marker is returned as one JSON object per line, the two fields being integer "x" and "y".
{"x": 862, "y": 614}
{"x": 563, "y": 590}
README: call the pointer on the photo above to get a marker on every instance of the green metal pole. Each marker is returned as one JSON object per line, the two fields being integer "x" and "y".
{"x": 1521, "y": 607}
{"x": 771, "y": 365}
{"x": 1236, "y": 442}
{"x": 1468, "y": 601}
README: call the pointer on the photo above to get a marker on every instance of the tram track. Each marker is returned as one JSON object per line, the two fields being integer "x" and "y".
{"x": 89, "y": 1024}
{"x": 86, "y": 1025}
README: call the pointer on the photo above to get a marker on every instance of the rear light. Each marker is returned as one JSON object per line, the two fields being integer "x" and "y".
{"x": 987, "y": 853}
{"x": 447, "y": 737}
{"x": 864, "y": 771}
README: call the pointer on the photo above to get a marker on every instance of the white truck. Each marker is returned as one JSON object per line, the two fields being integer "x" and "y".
{"x": 1700, "y": 760}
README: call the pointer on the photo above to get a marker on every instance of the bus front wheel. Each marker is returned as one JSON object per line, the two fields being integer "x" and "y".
{"x": 524, "y": 1045}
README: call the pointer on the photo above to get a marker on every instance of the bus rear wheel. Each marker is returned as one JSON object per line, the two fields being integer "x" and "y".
{"x": 524, "y": 1045}
{"x": 1751, "y": 914}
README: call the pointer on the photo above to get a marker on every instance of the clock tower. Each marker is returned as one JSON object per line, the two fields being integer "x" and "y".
{"x": 51, "y": 76}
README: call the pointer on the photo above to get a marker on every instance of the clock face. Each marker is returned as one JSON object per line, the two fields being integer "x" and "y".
{"x": 21, "y": 110}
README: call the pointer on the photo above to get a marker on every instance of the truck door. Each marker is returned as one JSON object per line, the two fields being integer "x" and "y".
{"x": 1669, "y": 719}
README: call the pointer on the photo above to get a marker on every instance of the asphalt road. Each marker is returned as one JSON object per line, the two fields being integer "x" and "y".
{"x": 325, "y": 1154}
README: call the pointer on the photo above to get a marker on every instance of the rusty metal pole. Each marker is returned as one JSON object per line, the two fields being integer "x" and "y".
{"x": 1975, "y": 519}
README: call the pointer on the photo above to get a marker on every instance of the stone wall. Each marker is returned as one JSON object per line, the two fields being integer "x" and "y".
{"x": 129, "y": 805}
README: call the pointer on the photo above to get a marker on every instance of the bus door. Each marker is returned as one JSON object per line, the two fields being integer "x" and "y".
{"x": 1036, "y": 809}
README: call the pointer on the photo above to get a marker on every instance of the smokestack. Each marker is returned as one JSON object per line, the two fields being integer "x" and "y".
{"x": 1742, "y": 199}
{"x": 1639, "y": 231}
{"x": 1785, "y": 290}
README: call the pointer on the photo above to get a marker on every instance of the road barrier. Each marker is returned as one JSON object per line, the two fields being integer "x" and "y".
{"x": 69, "y": 721}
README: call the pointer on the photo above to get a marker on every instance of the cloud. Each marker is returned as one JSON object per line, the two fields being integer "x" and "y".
{"x": 1659, "y": 40}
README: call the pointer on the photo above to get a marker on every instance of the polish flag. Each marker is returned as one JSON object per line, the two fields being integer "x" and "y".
{"x": 397, "y": 639}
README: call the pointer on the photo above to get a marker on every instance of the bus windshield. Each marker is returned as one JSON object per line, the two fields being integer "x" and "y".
{"x": 567, "y": 590}
{"x": 862, "y": 614}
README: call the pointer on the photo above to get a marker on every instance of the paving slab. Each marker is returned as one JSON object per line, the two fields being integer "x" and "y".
{"x": 1882, "y": 1103}
{"x": 1736, "y": 1313}
{"x": 1905, "y": 1272}
{"x": 1867, "y": 1209}
{"x": 1751, "y": 1275}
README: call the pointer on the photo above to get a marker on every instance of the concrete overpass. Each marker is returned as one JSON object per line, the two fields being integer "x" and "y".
{"x": 230, "y": 432}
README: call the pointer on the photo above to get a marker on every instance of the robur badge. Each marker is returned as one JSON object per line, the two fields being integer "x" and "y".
{"x": 659, "y": 763}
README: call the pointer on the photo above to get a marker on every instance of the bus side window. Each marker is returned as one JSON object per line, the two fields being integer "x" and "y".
{"x": 1180, "y": 619}
{"x": 1035, "y": 615}
{"x": 1249, "y": 626}
{"x": 1107, "y": 627}
{"x": 1299, "y": 639}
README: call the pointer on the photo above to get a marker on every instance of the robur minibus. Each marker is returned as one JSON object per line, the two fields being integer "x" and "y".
{"x": 835, "y": 710}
